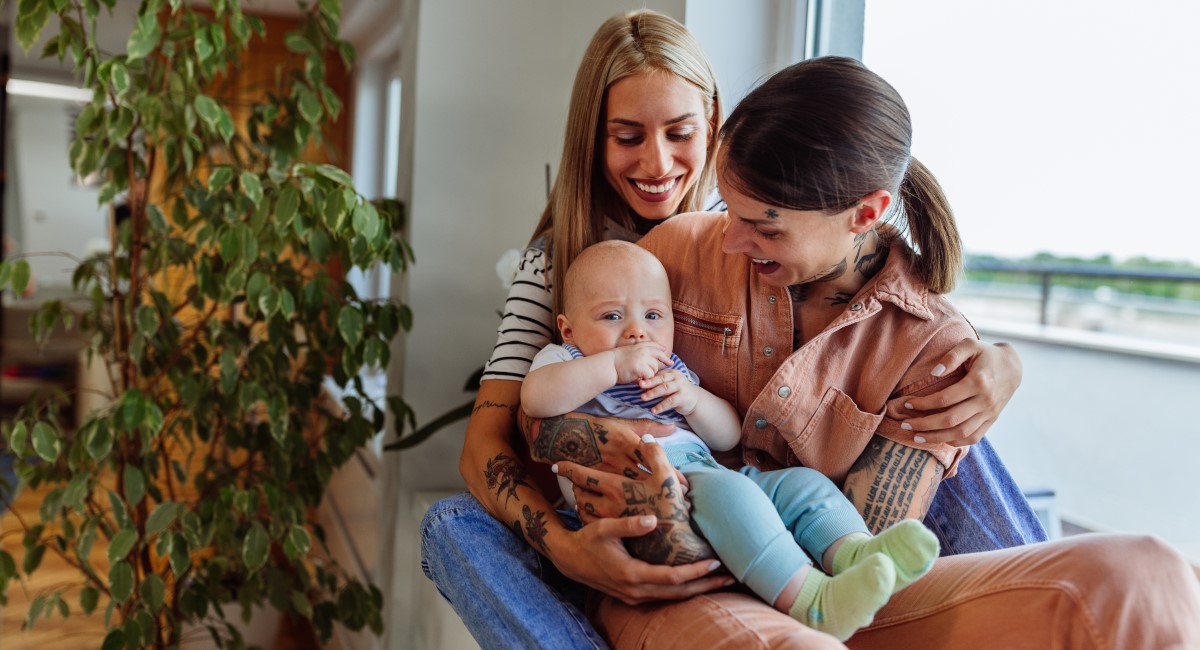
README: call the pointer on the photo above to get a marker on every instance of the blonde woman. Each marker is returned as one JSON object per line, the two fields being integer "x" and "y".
{"x": 639, "y": 149}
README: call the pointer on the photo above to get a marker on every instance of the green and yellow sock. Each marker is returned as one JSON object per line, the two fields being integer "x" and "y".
{"x": 909, "y": 544}
{"x": 842, "y": 604}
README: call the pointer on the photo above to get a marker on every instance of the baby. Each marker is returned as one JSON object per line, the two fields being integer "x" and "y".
{"x": 616, "y": 360}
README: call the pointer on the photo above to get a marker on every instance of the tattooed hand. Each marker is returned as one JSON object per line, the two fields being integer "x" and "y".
{"x": 606, "y": 444}
{"x": 602, "y": 495}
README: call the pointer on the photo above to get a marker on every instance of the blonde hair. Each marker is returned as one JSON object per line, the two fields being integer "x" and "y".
{"x": 581, "y": 199}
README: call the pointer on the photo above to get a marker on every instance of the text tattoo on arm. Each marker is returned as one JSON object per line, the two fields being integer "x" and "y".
{"x": 896, "y": 482}
{"x": 489, "y": 404}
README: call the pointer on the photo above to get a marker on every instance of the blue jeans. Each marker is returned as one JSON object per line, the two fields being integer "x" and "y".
{"x": 509, "y": 596}
{"x": 981, "y": 508}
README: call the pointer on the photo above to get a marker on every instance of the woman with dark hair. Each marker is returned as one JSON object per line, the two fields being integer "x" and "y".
{"x": 829, "y": 322}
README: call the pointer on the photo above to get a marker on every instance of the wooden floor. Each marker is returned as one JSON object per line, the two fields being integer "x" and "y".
{"x": 77, "y": 631}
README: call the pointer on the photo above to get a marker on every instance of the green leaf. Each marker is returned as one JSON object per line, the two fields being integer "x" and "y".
{"x": 287, "y": 304}
{"x": 254, "y": 549}
{"x": 120, "y": 78}
{"x": 8, "y": 567}
{"x": 46, "y": 442}
{"x": 88, "y": 598}
{"x": 120, "y": 512}
{"x": 334, "y": 174}
{"x": 18, "y": 439}
{"x": 35, "y": 610}
{"x": 268, "y": 302}
{"x": 114, "y": 641}
{"x": 208, "y": 109}
{"x": 154, "y": 592}
{"x": 319, "y": 245}
{"x": 131, "y": 410}
{"x": 310, "y": 107}
{"x": 252, "y": 187}
{"x": 100, "y": 441}
{"x": 285, "y": 207}
{"x": 180, "y": 558}
{"x": 120, "y": 581}
{"x": 301, "y": 604}
{"x": 144, "y": 38}
{"x": 297, "y": 543}
{"x": 350, "y": 325}
{"x": 76, "y": 492}
{"x": 220, "y": 177}
{"x": 203, "y": 46}
{"x": 31, "y": 20}
{"x": 225, "y": 125}
{"x": 33, "y": 558}
{"x": 121, "y": 544}
{"x": 229, "y": 371}
{"x": 295, "y": 42}
{"x": 147, "y": 320}
{"x": 164, "y": 515}
{"x": 20, "y": 276}
{"x": 135, "y": 485}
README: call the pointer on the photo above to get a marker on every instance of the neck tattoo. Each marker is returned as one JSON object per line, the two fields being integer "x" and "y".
{"x": 868, "y": 264}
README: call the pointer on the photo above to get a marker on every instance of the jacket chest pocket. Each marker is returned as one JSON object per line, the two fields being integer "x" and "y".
{"x": 834, "y": 437}
{"x": 708, "y": 343}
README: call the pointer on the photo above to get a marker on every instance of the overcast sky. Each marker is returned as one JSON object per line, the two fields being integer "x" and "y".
{"x": 1070, "y": 126}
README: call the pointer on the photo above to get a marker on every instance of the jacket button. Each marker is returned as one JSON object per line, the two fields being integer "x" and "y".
{"x": 768, "y": 351}
{"x": 784, "y": 391}
{"x": 772, "y": 299}
{"x": 760, "y": 424}
{"x": 856, "y": 306}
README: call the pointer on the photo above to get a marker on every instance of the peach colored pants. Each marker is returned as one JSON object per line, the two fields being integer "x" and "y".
{"x": 1110, "y": 592}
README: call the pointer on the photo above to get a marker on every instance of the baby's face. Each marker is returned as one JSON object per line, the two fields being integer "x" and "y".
{"x": 621, "y": 305}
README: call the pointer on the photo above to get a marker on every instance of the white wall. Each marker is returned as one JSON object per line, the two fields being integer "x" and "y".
{"x": 48, "y": 211}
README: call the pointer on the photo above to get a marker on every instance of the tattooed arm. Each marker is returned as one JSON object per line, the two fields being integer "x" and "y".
{"x": 613, "y": 483}
{"x": 890, "y": 482}
{"x": 595, "y": 555}
{"x": 492, "y": 467}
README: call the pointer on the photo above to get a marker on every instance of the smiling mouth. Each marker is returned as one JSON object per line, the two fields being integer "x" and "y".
{"x": 655, "y": 188}
{"x": 758, "y": 261}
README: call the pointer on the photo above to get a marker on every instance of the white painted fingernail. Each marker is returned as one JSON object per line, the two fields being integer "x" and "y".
{"x": 919, "y": 439}
{"x": 906, "y": 426}
{"x": 908, "y": 405}
{"x": 554, "y": 468}
{"x": 714, "y": 565}
{"x": 938, "y": 370}
{"x": 647, "y": 521}
{"x": 649, "y": 438}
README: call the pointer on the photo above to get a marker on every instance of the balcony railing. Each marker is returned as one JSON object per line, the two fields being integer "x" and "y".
{"x": 1047, "y": 273}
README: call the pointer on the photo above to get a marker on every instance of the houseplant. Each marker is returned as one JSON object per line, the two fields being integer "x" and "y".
{"x": 218, "y": 316}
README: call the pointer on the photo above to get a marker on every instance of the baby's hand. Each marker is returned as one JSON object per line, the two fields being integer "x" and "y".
{"x": 640, "y": 361}
{"x": 677, "y": 391}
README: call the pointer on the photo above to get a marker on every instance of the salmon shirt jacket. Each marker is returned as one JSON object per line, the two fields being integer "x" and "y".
{"x": 818, "y": 406}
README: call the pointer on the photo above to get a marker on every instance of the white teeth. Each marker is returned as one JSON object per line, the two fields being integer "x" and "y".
{"x": 656, "y": 189}
{"x": 758, "y": 261}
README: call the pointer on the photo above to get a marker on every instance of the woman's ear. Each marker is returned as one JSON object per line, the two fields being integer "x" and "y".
{"x": 564, "y": 328}
{"x": 870, "y": 210}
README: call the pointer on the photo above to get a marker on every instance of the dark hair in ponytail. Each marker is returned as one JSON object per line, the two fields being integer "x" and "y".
{"x": 822, "y": 134}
